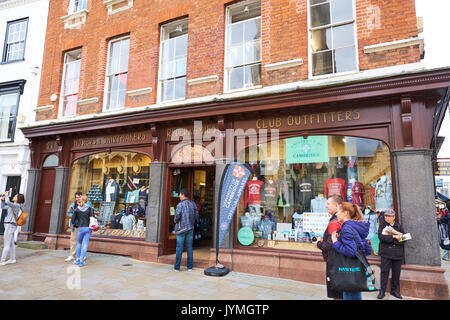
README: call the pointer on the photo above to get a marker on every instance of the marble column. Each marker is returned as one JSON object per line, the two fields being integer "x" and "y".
{"x": 58, "y": 212}
{"x": 156, "y": 198}
{"x": 31, "y": 198}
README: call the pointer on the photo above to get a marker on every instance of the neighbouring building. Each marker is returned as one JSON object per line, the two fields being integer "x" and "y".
{"x": 317, "y": 96}
{"x": 22, "y": 30}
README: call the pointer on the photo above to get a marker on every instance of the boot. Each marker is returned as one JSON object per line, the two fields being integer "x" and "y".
{"x": 396, "y": 294}
{"x": 380, "y": 295}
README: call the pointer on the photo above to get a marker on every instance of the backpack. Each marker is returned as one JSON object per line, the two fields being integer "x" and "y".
{"x": 22, "y": 218}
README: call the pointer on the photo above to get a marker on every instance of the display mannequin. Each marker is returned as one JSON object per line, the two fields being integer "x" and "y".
{"x": 371, "y": 217}
{"x": 111, "y": 190}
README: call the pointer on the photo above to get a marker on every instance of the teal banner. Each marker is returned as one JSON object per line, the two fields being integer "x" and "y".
{"x": 309, "y": 150}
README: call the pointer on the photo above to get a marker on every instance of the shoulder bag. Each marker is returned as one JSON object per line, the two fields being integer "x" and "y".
{"x": 350, "y": 274}
{"x": 22, "y": 218}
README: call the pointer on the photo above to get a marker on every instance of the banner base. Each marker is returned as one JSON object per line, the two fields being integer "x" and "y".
{"x": 217, "y": 271}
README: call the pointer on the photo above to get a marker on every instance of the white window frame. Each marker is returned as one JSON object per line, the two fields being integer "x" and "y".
{"x": 73, "y": 9}
{"x": 105, "y": 89}
{"x": 355, "y": 37}
{"x": 227, "y": 23}
{"x": 63, "y": 80}
{"x": 15, "y": 113}
{"x": 160, "y": 65}
{"x": 8, "y": 44}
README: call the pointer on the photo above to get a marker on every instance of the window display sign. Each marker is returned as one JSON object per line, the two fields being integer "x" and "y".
{"x": 309, "y": 150}
{"x": 246, "y": 236}
{"x": 315, "y": 222}
{"x": 443, "y": 168}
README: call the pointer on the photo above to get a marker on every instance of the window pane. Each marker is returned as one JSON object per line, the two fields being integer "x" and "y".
{"x": 343, "y": 36}
{"x": 114, "y": 58}
{"x": 6, "y": 125}
{"x": 8, "y": 104}
{"x": 70, "y": 105}
{"x": 167, "y": 89}
{"x": 341, "y": 10}
{"x": 235, "y": 56}
{"x": 345, "y": 59}
{"x": 322, "y": 63}
{"x": 235, "y": 34}
{"x": 321, "y": 40}
{"x": 252, "y": 75}
{"x": 180, "y": 88}
{"x": 252, "y": 30}
{"x": 180, "y": 67}
{"x": 320, "y": 15}
{"x": 181, "y": 46}
{"x": 252, "y": 52}
{"x": 124, "y": 53}
{"x": 51, "y": 161}
{"x": 236, "y": 78}
{"x": 317, "y": 1}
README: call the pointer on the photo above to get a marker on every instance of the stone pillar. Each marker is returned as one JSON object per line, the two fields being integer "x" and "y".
{"x": 228, "y": 240}
{"x": 416, "y": 205}
{"x": 31, "y": 199}
{"x": 59, "y": 209}
{"x": 156, "y": 198}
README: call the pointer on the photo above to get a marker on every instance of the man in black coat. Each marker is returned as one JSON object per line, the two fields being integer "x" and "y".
{"x": 391, "y": 251}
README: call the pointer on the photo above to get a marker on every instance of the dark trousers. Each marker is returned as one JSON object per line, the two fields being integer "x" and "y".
{"x": 386, "y": 265}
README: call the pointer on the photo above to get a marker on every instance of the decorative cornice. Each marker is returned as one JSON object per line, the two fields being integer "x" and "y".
{"x": 394, "y": 45}
{"x": 203, "y": 80}
{"x": 79, "y": 17}
{"x": 413, "y": 83}
{"x": 110, "y": 3}
{"x": 15, "y": 3}
{"x": 284, "y": 64}
{"x": 45, "y": 108}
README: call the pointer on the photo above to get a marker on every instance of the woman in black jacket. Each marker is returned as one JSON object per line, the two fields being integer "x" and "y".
{"x": 80, "y": 219}
{"x": 391, "y": 251}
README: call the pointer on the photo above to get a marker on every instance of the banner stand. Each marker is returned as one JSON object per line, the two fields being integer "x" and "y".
{"x": 241, "y": 173}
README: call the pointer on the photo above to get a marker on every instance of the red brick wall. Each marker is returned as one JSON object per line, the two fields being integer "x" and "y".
{"x": 284, "y": 37}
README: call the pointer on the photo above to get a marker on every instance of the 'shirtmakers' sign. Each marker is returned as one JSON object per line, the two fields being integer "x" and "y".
{"x": 111, "y": 140}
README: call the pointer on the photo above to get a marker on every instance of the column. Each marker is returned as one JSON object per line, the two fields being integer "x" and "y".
{"x": 31, "y": 195}
{"x": 156, "y": 198}
{"x": 59, "y": 209}
{"x": 416, "y": 205}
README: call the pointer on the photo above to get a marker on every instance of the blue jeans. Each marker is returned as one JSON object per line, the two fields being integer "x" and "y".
{"x": 189, "y": 237}
{"x": 352, "y": 295}
{"x": 84, "y": 234}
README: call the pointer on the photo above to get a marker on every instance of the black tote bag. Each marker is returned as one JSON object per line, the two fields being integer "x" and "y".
{"x": 350, "y": 274}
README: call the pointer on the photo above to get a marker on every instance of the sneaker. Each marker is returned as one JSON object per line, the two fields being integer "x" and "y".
{"x": 177, "y": 270}
{"x": 189, "y": 269}
{"x": 69, "y": 258}
{"x": 10, "y": 261}
{"x": 82, "y": 263}
{"x": 77, "y": 262}
{"x": 2, "y": 263}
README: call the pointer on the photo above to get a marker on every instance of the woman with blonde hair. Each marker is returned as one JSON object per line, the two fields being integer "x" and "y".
{"x": 80, "y": 219}
{"x": 353, "y": 226}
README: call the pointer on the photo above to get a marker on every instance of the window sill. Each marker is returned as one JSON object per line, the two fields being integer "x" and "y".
{"x": 75, "y": 19}
{"x": 113, "y": 110}
{"x": 12, "y": 61}
{"x": 243, "y": 89}
{"x": 115, "y": 6}
{"x": 332, "y": 75}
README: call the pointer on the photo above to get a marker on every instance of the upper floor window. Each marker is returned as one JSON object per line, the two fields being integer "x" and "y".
{"x": 16, "y": 33}
{"x": 71, "y": 80}
{"x": 77, "y": 5}
{"x": 9, "y": 102}
{"x": 116, "y": 76}
{"x": 243, "y": 46}
{"x": 172, "y": 75}
{"x": 332, "y": 32}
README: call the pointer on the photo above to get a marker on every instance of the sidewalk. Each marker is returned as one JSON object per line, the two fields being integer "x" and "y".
{"x": 43, "y": 274}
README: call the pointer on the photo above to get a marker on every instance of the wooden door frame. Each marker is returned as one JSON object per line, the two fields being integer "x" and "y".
{"x": 39, "y": 235}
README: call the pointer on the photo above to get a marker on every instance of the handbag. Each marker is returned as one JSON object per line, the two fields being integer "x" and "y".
{"x": 22, "y": 218}
{"x": 350, "y": 274}
{"x": 93, "y": 224}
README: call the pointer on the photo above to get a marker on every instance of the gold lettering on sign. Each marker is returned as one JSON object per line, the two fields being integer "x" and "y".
{"x": 108, "y": 140}
{"x": 206, "y": 128}
{"x": 309, "y": 119}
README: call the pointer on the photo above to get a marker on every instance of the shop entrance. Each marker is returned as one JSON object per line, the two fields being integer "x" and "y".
{"x": 44, "y": 204}
{"x": 200, "y": 183}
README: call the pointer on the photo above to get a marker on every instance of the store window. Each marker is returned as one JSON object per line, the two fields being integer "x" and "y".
{"x": 243, "y": 46}
{"x": 172, "y": 75}
{"x": 116, "y": 184}
{"x": 283, "y": 206}
{"x": 332, "y": 32}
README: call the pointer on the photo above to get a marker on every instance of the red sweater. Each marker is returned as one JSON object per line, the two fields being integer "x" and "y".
{"x": 335, "y": 186}
{"x": 253, "y": 192}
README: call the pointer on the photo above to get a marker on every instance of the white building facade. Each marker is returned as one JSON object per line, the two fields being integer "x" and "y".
{"x": 22, "y": 35}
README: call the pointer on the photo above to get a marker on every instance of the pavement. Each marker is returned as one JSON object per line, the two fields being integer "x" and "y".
{"x": 42, "y": 274}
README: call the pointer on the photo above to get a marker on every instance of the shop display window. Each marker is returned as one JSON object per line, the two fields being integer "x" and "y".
{"x": 116, "y": 184}
{"x": 283, "y": 204}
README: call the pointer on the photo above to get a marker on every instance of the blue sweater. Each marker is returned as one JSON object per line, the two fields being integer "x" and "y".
{"x": 346, "y": 242}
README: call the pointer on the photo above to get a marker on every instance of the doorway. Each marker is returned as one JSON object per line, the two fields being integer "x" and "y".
{"x": 13, "y": 184}
{"x": 44, "y": 204}
{"x": 200, "y": 183}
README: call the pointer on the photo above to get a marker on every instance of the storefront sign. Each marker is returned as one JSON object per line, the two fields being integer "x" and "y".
{"x": 194, "y": 131}
{"x": 309, "y": 150}
{"x": 192, "y": 154}
{"x": 117, "y": 139}
{"x": 442, "y": 168}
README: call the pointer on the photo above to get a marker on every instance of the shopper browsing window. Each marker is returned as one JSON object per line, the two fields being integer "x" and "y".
{"x": 14, "y": 210}
{"x": 80, "y": 219}
{"x": 353, "y": 226}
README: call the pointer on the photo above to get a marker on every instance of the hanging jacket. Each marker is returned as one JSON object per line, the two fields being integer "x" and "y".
{"x": 372, "y": 218}
{"x": 346, "y": 244}
{"x": 304, "y": 193}
{"x": 358, "y": 194}
{"x": 389, "y": 247}
{"x": 383, "y": 193}
{"x": 334, "y": 186}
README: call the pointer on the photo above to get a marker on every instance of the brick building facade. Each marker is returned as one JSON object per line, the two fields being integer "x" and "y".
{"x": 341, "y": 68}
